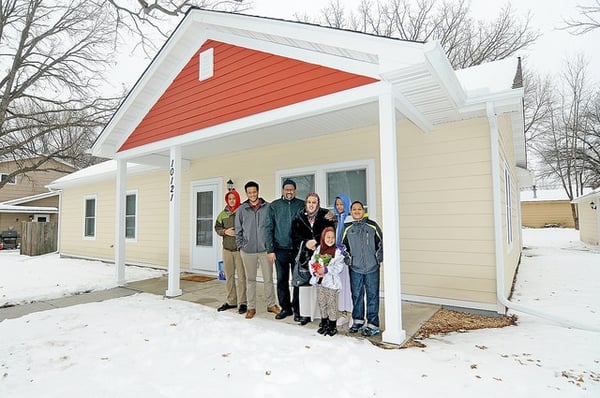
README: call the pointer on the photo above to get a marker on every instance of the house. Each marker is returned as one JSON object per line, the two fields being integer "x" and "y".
{"x": 434, "y": 153}
{"x": 546, "y": 207}
{"x": 25, "y": 196}
{"x": 589, "y": 217}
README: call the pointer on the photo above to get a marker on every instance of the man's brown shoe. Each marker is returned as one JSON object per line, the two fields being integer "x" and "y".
{"x": 250, "y": 314}
{"x": 274, "y": 309}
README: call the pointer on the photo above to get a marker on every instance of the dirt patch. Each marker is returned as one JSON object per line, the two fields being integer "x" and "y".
{"x": 446, "y": 321}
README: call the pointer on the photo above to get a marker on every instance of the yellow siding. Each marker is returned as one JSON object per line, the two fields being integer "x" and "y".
{"x": 538, "y": 214}
{"x": 33, "y": 183}
{"x": 447, "y": 246}
{"x": 445, "y": 203}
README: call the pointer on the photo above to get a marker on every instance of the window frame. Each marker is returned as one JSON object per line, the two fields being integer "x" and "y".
{"x": 320, "y": 172}
{"x": 85, "y": 217}
{"x": 133, "y": 192}
{"x": 14, "y": 179}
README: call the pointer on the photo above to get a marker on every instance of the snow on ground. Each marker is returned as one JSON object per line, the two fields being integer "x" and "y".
{"x": 144, "y": 345}
{"x": 24, "y": 279}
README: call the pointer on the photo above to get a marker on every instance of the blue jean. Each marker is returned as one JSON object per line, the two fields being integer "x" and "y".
{"x": 361, "y": 284}
{"x": 285, "y": 261}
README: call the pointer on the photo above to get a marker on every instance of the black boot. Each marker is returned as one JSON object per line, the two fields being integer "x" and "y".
{"x": 332, "y": 329}
{"x": 323, "y": 326}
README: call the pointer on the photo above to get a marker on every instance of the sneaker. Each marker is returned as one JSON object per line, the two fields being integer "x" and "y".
{"x": 370, "y": 331}
{"x": 341, "y": 320}
{"x": 243, "y": 308}
{"x": 226, "y": 307}
{"x": 356, "y": 327}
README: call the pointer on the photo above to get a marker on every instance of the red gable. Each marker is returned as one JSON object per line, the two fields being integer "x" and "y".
{"x": 245, "y": 82}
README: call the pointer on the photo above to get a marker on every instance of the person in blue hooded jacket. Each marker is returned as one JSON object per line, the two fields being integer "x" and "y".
{"x": 342, "y": 212}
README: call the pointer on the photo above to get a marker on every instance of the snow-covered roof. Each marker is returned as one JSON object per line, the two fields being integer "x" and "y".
{"x": 96, "y": 172}
{"x": 488, "y": 78}
{"x": 592, "y": 194}
{"x": 546, "y": 195}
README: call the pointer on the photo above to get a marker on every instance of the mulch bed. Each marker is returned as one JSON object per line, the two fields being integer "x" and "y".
{"x": 197, "y": 278}
{"x": 447, "y": 321}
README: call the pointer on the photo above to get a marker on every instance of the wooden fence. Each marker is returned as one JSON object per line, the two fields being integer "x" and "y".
{"x": 38, "y": 238}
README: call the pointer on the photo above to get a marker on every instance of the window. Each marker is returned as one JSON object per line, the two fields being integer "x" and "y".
{"x": 204, "y": 219}
{"x": 131, "y": 215}
{"x": 11, "y": 180}
{"x": 305, "y": 184}
{"x": 508, "y": 199}
{"x": 89, "y": 229}
{"x": 355, "y": 179}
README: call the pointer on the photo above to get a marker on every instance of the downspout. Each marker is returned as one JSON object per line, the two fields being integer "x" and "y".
{"x": 499, "y": 236}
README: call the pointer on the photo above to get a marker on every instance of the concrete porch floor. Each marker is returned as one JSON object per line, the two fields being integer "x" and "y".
{"x": 212, "y": 294}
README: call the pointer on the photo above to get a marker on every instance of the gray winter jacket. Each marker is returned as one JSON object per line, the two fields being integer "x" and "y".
{"x": 251, "y": 228}
{"x": 364, "y": 242}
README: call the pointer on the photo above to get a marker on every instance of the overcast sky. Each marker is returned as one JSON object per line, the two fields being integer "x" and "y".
{"x": 547, "y": 55}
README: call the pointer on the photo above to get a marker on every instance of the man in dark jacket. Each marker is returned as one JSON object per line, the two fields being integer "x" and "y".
{"x": 282, "y": 212}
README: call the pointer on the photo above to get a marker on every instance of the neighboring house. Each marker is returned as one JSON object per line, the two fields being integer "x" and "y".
{"x": 25, "y": 197}
{"x": 589, "y": 217}
{"x": 546, "y": 208}
{"x": 32, "y": 182}
{"x": 434, "y": 153}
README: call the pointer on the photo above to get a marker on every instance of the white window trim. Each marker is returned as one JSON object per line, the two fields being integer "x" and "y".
{"x": 132, "y": 192}
{"x": 9, "y": 183}
{"x": 320, "y": 172}
{"x": 85, "y": 199}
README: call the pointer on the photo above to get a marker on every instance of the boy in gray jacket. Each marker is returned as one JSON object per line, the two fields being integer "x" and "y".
{"x": 364, "y": 242}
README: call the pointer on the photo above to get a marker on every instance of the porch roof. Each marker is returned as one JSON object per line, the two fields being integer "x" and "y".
{"x": 427, "y": 90}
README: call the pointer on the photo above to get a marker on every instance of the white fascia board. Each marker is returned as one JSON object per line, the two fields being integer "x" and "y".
{"x": 27, "y": 209}
{"x": 318, "y": 58}
{"x": 439, "y": 66}
{"x": 342, "y": 99}
{"x": 410, "y": 112}
{"x": 155, "y": 160}
{"x": 508, "y": 99}
{"x": 31, "y": 198}
{"x": 302, "y": 31}
{"x": 175, "y": 54}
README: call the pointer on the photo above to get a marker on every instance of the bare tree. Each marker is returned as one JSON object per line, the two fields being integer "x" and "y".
{"x": 587, "y": 20}
{"x": 149, "y": 23}
{"x": 560, "y": 138}
{"x": 467, "y": 41}
{"x": 54, "y": 58}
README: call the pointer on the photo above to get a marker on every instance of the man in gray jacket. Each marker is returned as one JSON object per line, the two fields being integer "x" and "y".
{"x": 251, "y": 229}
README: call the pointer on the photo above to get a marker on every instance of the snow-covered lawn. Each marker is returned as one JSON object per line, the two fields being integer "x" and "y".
{"x": 147, "y": 346}
{"x": 24, "y": 279}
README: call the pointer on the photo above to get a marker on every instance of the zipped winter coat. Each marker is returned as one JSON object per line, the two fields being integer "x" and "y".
{"x": 282, "y": 212}
{"x": 226, "y": 220}
{"x": 302, "y": 232}
{"x": 364, "y": 242}
{"x": 251, "y": 228}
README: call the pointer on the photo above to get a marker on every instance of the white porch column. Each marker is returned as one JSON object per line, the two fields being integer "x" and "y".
{"x": 121, "y": 192}
{"x": 173, "y": 288}
{"x": 393, "y": 333}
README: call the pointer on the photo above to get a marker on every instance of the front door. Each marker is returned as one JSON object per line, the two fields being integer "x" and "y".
{"x": 205, "y": 243}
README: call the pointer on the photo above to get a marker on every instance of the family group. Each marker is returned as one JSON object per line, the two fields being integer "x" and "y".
{"x": 339, "y": 251}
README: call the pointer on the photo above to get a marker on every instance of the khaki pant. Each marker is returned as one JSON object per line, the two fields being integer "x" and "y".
{"x": 232, "y": 265}
{"x": 251, "y": 262}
